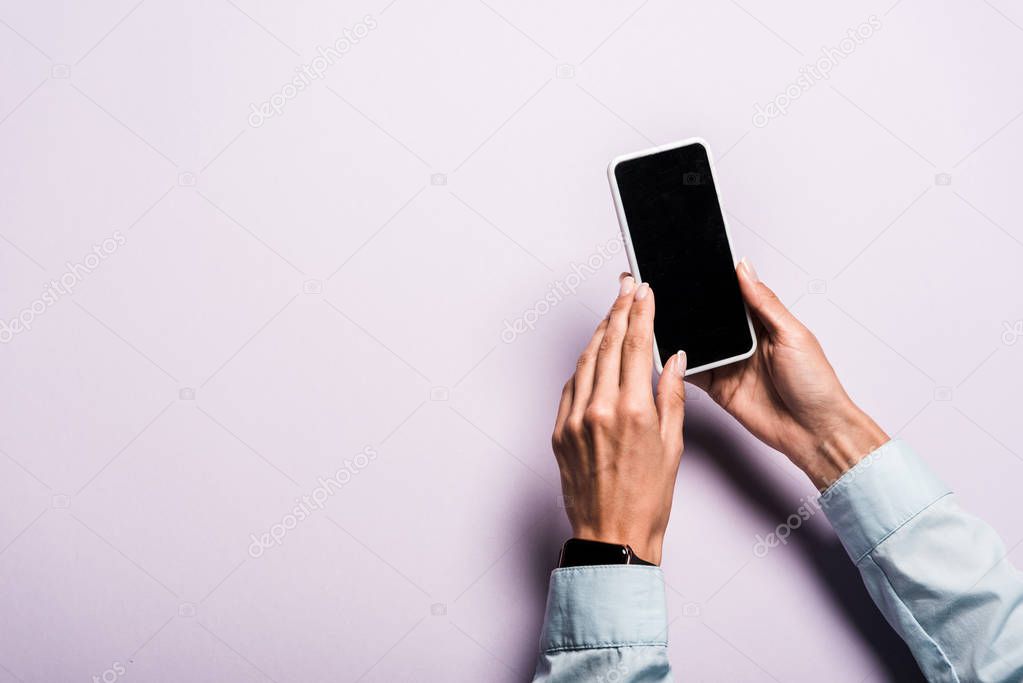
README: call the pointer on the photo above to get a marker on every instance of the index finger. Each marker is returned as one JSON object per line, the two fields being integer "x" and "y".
{"x": 638, "y": 345}
{"x": 607, "y": 381}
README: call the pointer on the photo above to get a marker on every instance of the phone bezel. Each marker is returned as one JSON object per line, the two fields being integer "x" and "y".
{"x": 623, "y": 224}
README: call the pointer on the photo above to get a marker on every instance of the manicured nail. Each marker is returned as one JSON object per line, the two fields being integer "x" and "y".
{"x": 622, "y": 276}
{"x": 643, "y": 290}
{"x": 680, "y": 363}
{"x": 628, "y": 284}
{"x": 750, "y": 270}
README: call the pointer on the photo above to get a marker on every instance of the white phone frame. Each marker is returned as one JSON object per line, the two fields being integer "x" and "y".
{"x": 627, "y": 240}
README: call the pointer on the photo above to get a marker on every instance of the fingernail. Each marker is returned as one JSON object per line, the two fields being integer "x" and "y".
{"x": 680, "y": 363}
{"x": 750, "y": 270}
{"x": 627, "y": 285}
{"x": 622, "y": 276}
{"x": 643, "y": 290}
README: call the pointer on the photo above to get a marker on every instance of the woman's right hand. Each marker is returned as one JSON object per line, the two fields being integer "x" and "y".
{"x": 787, "y": 393}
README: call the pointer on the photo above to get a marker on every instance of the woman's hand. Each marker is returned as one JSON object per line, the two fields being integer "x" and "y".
{"x": 787, "y": 394}
{"x": 617, "y": 447}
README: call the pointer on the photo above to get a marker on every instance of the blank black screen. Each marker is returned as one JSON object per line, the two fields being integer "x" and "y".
{"x": 678, "y": 235}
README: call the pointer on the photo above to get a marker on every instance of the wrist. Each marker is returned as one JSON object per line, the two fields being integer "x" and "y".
{"x": 839, "y": 448}
{"x": 651, "y": 552}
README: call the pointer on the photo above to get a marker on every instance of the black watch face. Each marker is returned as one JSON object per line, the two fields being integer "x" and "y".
{"x": 580, "y": 553}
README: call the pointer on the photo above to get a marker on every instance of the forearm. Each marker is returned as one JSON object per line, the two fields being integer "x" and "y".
{"x": 605, "y": 623}
{"x": 939, "y": 575}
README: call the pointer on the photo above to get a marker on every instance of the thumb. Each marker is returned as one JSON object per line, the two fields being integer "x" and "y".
{"x": 671, "y": 402}
{"x": 764, "y": 302}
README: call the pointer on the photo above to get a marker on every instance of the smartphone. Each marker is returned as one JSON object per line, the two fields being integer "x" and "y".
{"x": 677, "y": 240}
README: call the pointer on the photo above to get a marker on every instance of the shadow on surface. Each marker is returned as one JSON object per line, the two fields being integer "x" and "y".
{"x": 832, "y": 566}
{"x": 544, "y": 529}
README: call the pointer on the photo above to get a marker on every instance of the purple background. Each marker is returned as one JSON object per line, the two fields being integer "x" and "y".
{"x": 290, "y": 294}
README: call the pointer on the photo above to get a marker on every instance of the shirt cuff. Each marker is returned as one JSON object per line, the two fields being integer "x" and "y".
{"x": 878, "y": 495}
{"x": 605, "y": 606}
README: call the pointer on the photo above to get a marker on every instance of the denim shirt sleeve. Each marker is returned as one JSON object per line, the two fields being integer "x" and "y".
{"x": 940, "y": 576}
{"x": 606, "y": 624}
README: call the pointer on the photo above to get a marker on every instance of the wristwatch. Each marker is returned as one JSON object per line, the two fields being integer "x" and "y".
{"x": 581, "y": 553}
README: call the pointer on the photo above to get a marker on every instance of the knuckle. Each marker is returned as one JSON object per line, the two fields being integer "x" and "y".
{"x": 637, "y": 343}
{"x": 633, "y": 412}
{"x": 598, "y": 415}
{"x": 585, "y": 359}
{"x": 558, "y": 441}
{"x": 641, "y": 309}
{"x": 573, "y": 427}
{"x": 612, "y": 339}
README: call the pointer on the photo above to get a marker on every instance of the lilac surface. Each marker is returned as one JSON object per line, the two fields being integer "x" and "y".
{"x": 339, "y": 278}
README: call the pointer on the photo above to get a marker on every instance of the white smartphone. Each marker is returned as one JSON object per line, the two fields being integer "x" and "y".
{"x": 677, "y": 240}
